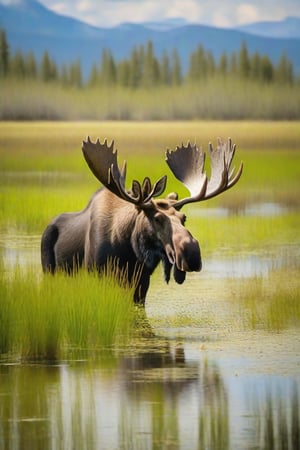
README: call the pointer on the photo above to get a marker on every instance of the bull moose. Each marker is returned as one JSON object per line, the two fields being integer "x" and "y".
{"x": 131, "y": 227}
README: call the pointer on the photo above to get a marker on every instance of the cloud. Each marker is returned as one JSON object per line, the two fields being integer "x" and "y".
{"x": 246, "y": 13}
{"x": 211, "y": 12}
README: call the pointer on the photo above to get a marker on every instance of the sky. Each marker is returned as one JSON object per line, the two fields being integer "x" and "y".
{"x": 226, "y": 13}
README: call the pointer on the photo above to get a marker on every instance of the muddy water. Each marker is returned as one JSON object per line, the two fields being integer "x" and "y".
{"x": 196, "y": 375}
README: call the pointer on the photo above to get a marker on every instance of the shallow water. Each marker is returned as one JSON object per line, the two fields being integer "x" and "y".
{"x": 195, "y": 376}
{"x": 161, "y": 394}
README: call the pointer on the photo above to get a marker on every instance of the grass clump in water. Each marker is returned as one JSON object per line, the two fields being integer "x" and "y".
{"x": 272, "y": 302}
{"x": 41, "y": 318}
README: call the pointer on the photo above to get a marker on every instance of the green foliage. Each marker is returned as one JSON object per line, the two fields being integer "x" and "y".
{"x": 4, "y": 54}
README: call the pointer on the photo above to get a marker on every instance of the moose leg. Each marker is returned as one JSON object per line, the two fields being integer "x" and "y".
{"x": 141, "y": 290}
{"x": 49, "y": 239}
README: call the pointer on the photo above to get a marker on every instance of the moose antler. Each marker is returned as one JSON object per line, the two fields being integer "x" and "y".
{"x": 187, "y": 164}
{"x": 102, "y": 160}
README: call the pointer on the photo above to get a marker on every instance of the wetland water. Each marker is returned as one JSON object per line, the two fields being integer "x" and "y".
{"x": 197, "y": 375}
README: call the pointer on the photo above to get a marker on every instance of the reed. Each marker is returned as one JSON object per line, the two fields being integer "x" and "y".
{"x": 43, "y": 317}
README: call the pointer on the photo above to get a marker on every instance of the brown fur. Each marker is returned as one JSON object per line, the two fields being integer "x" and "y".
{"x": 137, "y": 239}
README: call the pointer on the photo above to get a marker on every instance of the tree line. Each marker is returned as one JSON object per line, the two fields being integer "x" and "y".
{"x": 144, "y": 69}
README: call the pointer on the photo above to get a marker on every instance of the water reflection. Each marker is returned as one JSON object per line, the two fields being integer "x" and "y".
{"x": 152, "y": 398}
{"x": 261, "y": 209}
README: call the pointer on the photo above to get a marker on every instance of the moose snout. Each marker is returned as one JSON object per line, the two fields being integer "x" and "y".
{"x": 188, "y": 258}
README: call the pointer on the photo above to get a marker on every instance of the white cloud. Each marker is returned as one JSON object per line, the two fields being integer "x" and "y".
{"x": 221, "y": 19}
{"x": 85, "y": 6}
{"x": 211, "y": 12}
{"x": 246, "y": 13}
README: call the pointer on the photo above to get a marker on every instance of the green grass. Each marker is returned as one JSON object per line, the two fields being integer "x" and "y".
{"x": 43, "y": 171}
{"x": 44, "y": 317}
{"x": 272, "y": 302}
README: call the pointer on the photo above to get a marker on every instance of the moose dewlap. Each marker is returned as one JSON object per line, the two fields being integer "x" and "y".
{"x": 132, "y": 228}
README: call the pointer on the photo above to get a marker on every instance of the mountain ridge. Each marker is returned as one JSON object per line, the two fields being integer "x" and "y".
{"x": 32, "y": 27}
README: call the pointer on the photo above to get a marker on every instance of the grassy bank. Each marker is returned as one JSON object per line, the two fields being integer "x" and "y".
{"x": 215, "y": 99}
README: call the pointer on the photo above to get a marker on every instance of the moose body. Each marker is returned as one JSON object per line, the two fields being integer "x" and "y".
{"x": 133, "y": 229}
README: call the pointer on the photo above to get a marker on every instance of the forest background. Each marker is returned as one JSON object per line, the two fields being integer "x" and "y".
{"x": 144, "y": 87}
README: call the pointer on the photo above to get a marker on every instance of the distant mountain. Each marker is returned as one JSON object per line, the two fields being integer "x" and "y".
{"x": 287, "y": 28}
{"x": 167, "y": 24}
{"x": 31, "y": 26}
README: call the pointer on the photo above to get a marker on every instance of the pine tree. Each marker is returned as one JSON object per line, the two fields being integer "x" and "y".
{"x": 223, "y": 65}
{"x": 198, "y": 64}
{"x": 233, "y": 64}
{"x": 46, "y": 68}
{"x": 64, "y": 75}
{"x": 210, "y": 64}
{"x": 243, "y": 61}
{"x": 108, "y": 72}
{"x": 267, "y": 70}
{"x": 4, "y": 54}
{"x": 165, "y": 69}
{"x": 17, "y": 65}
{"x": 284, "y": 70}
{"x": 30, "y": 66}
{"x": 176, "y": 68}
{"x": 94, "y": 76}
{"x": 135, "y": 69}
{"x": 151, "y": 72}
{"x": 75, "y": 74}
{"x": 255, "y": 67}
{"x": 124, "y": 73}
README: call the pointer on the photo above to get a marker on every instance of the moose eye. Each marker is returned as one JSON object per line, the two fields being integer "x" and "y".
{"x": 183, "y": 220}
{"x": 159, "y": 218}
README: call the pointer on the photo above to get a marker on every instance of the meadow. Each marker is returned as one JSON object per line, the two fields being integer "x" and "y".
{"x": 43, "y": 173}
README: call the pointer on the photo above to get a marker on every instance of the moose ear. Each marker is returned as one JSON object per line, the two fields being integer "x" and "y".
{"x": 136, "y": 190}
{"x": 160, "y": 186}
{"x": 146, "y": 187}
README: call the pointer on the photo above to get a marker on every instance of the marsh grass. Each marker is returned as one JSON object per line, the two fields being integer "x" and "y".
{"x": 42, "y": 317}
{"x": 272, "y": 302}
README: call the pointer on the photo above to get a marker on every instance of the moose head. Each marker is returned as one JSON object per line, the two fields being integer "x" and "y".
{"x": 132, "y": 226}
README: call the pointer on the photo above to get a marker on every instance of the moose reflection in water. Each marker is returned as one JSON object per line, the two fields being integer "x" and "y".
{"x": 155, "y": 398}
{"x": 130, "y": 227}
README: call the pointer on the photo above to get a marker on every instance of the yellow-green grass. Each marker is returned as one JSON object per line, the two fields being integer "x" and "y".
{"x": 45, "y": 317}
{"x": 272, "y": 302}
{"x": 43, "y": 171}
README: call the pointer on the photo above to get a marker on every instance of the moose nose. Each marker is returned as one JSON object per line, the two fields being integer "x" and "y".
{"x": 189, "y": 259}
{"x": 193, "y": 256}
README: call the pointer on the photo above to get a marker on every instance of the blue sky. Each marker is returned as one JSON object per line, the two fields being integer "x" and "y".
{"x": 228, "y": 13}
